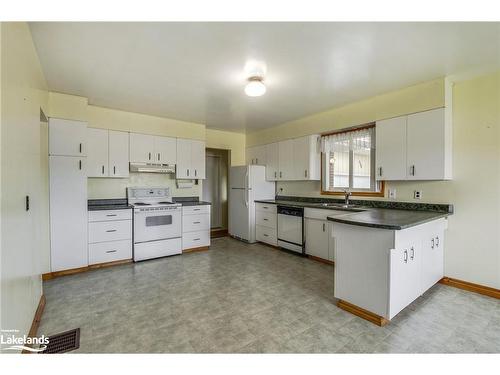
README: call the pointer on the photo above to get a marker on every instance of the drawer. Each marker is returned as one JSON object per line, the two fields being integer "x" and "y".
{"x": 196, "y": 210}
{"x": 322, "y": 214}
{"x": 264, "y": 207}
{"x": 266, "y": 234}
{"x": 106, "y": 215}
{"x": 192, "y": 223}
{"x": 102, "y": 231}
{"x": 266, "y": 219}
{"x": 110, "y": 251}
{"x": 195, "y": 239}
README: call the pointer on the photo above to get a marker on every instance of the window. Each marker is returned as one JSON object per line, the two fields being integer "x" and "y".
{"x": 348, "y": 159}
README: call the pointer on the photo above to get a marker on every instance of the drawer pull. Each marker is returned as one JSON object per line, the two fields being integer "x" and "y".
{"x": 111, "y": 251}
{"x": 265, "y": 207}
{"x": 109, "y": 215}
{"x": 266, "y": 219}
{"x": 196, "y": 239}
{"x": 196, "y": 209}
{"x": 196, "y": 222}
{"x": 111, "y": 230}
{"x": 265, "y": 235}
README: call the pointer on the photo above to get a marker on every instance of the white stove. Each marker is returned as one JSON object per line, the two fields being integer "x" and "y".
{"x": 157, "y": 223}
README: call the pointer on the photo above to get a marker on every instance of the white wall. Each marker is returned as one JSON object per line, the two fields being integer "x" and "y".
{"x": 24, "y": 234}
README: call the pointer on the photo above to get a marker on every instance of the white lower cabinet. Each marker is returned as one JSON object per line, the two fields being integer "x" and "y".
{"x": 109, "y": 236}
{"x": 195, "y": 226}
{"x": 266, "y": 223}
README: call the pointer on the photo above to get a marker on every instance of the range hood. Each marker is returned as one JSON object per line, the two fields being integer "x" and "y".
{"x": 152, "y": 168}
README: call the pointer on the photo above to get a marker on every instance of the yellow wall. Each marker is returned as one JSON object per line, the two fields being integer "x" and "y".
{"x": 473, "y": 242}
{"x": 24, "y": 234}
{"x": 235, "y": 142}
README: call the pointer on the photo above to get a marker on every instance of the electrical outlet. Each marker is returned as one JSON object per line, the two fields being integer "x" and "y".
{"x": 392, "y": 193}
{"x": 417, "y": 194}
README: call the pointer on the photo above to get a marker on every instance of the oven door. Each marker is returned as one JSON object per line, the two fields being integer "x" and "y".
{"x": 157, "y": 225}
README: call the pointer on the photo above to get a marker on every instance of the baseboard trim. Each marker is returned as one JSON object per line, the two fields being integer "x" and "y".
{"x": 362, "y": 313}
{"x": 73, "y": 271}
{"x": 216, "y": 233}
{"x": 471, "y": 287}
{"x": 195, "y": 249}
{"x": 321, "y": 260}
{"x": 36, "y": 320}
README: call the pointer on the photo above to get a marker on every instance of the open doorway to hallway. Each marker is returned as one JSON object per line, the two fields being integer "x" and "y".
{"x": 215, "y": 189}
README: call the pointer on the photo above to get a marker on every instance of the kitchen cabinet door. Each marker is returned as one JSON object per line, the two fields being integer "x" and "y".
{"x": 97, "y": 159}
{"x": 390, "y": 149}
{"x": 404, "y": 277}
{"x": 165, "y": 150}
{"x": 250, "y": 155}
{"x": 272, "y": 162}
{"x": 68, "y": 212}
{"x": 118, "y": 154}
{"x": 317, "y": 234}
{"x": 260, "y": 155}
{"x": 198, "y": 159}
{"x": 432, "y": 258}
{"x": 426, "y": 146}
{"x": 285, "y": 160}
{"x": 67, "y": 137}
{"x": 183, "y": 167}
{"x": 142, "y": 148}
{"x": 306, "y": 158}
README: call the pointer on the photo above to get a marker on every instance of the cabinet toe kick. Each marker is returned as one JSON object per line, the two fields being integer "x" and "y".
{"x": 362, "y": 313}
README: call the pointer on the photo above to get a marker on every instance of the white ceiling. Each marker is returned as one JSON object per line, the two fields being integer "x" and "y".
{"x": 196, "y": 71}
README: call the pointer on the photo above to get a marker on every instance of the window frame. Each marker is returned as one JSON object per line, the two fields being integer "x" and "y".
{"x": 354, "y": 192}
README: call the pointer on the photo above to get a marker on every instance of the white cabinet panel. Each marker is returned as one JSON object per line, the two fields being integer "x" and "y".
{"x": 191, "y": 223}
{"x": 142, "y": 148}
{"x": 104, "y": 252}
{"x": 272, "y": 165}
{"x": 68, "y": 212}
{"x": 196, "y": 210}
{"x": 317, "y": 238}
{"x": 67, "y": 137}
{"x": 97, "y": 159}
{"x": 183, "y": 159}
{"x": 165, "y": 150}
{"x": 266, "y": 219}
{"x": 285, "y": 160}
{"x": 390, "y": 149}
{"x": 198, "y": 159}
{"x": 426, "y": 151}
{"x": 256, "y": 155}
{"x": 306, "y": 158}
{"x": 118, "y": 154}
{"x": 266, "y": 234}
{"x": 264, "y": 207}
{"x": 432, "y": 257}
{"x": 101, "y": 231}
{"x": 107, "y": 215}
{"x": 195, "y": 239}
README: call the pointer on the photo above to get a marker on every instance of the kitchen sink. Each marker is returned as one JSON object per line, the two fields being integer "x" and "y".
{"x": 348, "y": 207}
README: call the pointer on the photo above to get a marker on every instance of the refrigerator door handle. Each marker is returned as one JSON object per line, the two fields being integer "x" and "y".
{"x": 246, "y": 189}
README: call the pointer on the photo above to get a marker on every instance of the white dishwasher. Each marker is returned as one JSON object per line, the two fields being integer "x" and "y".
{"x": 290, "y": 228}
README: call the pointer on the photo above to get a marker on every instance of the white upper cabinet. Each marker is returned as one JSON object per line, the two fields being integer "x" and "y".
{"x": 272, "y": 165}
{"x": 97, "y": 160}
{"x": 306, "y": 158}
{"x": 118, "y": 154}
{"x": 256, "y": 155}
{"x": 165, "y": 150}
{"x": 142, "y": 148}
{"x": 428, "y": 146}
{"x": 414, "y": 147}
{"x": 390, "y": 149}
{"x": 190, "y": 159}
{"x": 285, "y": 160}
{"x": 67, "y": 137}
{"x": 198, "y": 159}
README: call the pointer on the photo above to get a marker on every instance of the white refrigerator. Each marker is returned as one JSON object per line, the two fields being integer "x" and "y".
{"x": 246, "y": 184}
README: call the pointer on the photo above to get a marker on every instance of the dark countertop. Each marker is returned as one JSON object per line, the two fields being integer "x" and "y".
{"x": 108, "y": 204}
{"x": 396, "y": 216}
{"x": 190, "y": 201}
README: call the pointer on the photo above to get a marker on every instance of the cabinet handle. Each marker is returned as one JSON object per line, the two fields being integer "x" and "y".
{"x": 27, "y": 201}
{"x": 149, "y": 156}
{"x": 111, "y": 230}
{"x": 380, "y": 171}
{"x": 114, "y": 169}
{"x": 256, "y": 160}
{"x": 305, "y": 173}
{"x": 196, "y": 209}
{"x": 323, "y": 227}
{"x": 412, "y": 256}
{"x": 265, "y": 235}
{"x": 103, "y": 169}
{"x": 281, "y": 174}
{"x": 80, "y": 149}
{"x": 412, "y": 170}
{"x": 109, "y": 215}
{"x": 79, "y": 164}
{"x": 196, "y": 239}
{"x": 432, "y": 243}
{"x": 187, "y": 170}
{"x": 158, "y": 156}
{"x": 265, "y": 207}
{"x": 266, "y": 220}
{"x": 111, "y": 251}
{"x": 405, "y": 256}
{"x": 275, "y": 174}
{"x": 195, "y": 173}
{"x": 196, "y": 222}
{"x": 437, "y": 241}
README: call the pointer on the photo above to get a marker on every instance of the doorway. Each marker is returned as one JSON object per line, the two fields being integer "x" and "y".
{"x": 215, "y": 188}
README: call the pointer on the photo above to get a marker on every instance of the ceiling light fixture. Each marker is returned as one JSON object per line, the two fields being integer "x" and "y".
{"x": 255, "y": 86}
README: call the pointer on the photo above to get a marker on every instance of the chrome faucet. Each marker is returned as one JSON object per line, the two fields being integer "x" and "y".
{"x": 346, "y": 198}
